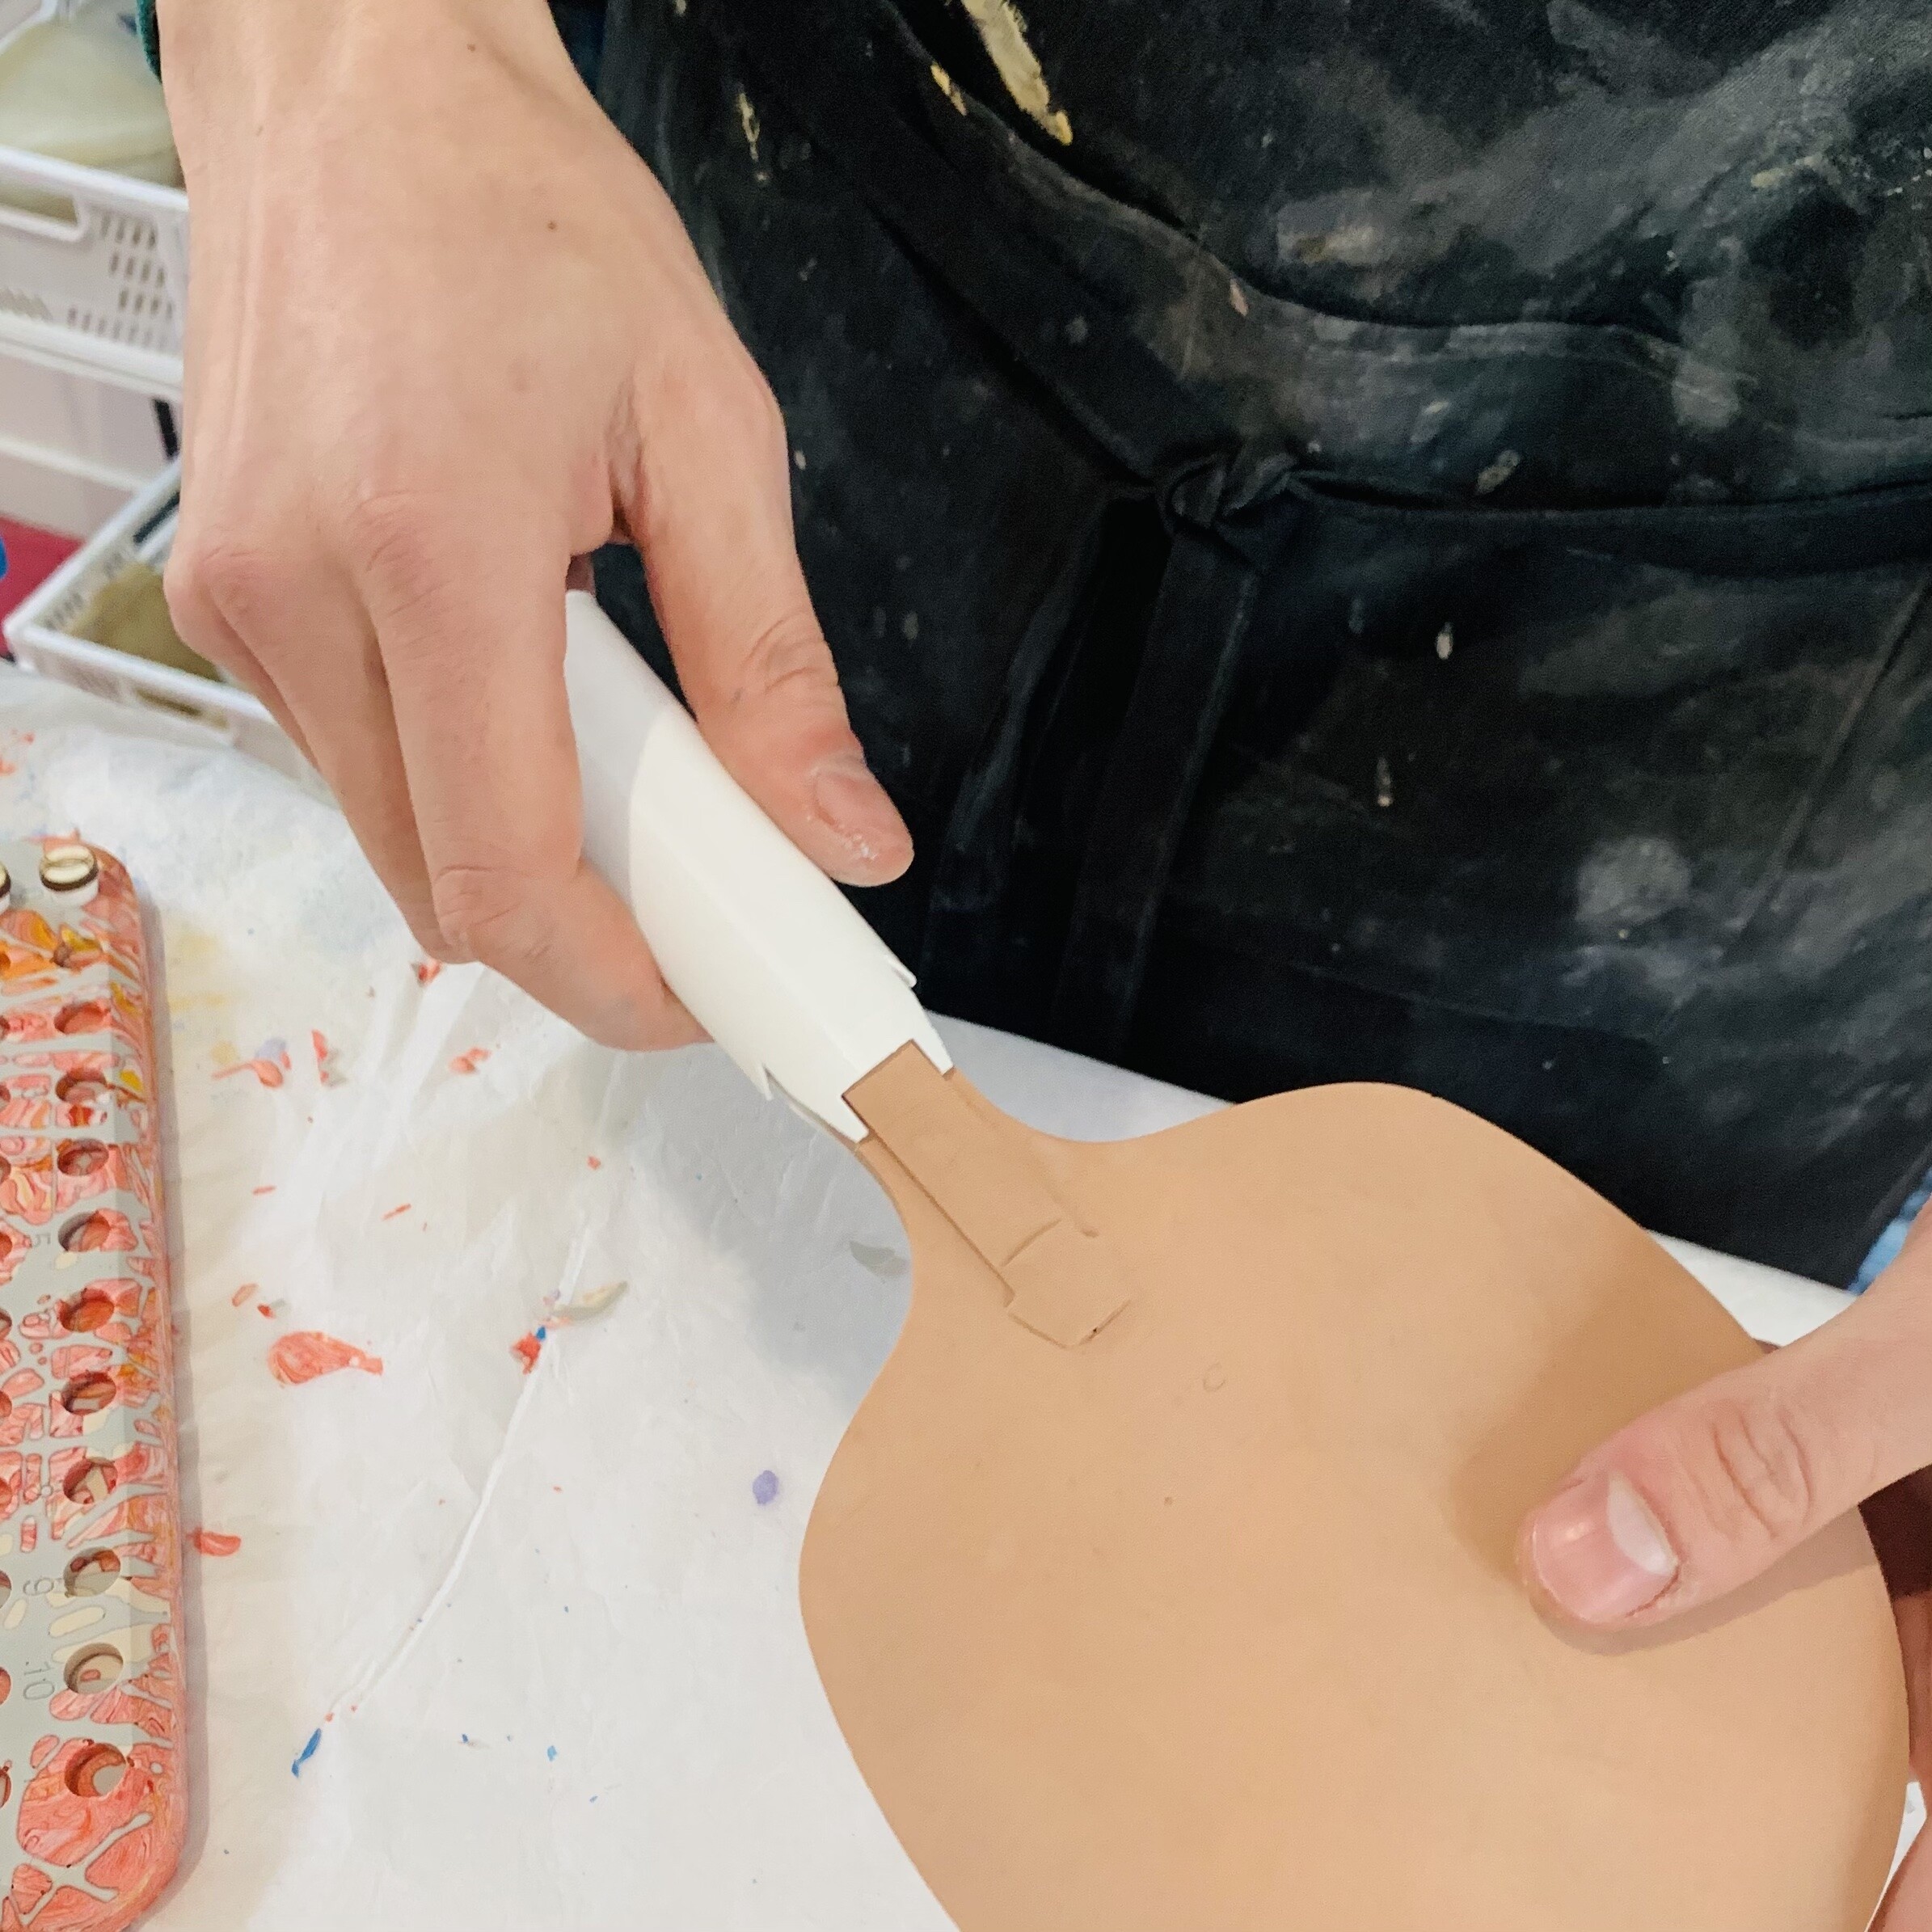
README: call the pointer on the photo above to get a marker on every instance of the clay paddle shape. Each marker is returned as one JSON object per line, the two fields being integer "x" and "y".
{"x": 1211, "y": 1622}
{"x": 1163, "y": 1581}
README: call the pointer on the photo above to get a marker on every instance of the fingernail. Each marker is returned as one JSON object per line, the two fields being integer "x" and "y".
{"x": 853, "y": 804}
{"x": 1598, "y": 1551}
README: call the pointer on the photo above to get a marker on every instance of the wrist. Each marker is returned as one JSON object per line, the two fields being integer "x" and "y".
{"x": 230, "y": 52}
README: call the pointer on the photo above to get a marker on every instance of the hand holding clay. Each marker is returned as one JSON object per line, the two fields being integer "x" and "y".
{"x": 447, "y": 334}
{"x": 1704, "y": 1494}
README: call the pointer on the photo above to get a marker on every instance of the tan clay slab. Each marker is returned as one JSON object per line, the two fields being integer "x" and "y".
{"x": 1210, "y": 1624}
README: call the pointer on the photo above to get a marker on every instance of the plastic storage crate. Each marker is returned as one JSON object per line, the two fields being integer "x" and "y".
{"x": 97, "y": 287}
{"x": 39, "y": 635}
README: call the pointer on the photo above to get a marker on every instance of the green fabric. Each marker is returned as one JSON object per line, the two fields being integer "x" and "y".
{"x": 150, "y": 34}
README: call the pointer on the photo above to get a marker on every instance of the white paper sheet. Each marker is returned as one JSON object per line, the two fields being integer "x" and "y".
{"x": 546, "y": 1624}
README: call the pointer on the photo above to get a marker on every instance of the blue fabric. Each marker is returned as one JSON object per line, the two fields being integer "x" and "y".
{"x": 150, "y": 34}
{"x": 1887, "y": 1252}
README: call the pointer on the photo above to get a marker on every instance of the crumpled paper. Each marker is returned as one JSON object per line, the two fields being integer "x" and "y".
{"x": 511, "y": 1636}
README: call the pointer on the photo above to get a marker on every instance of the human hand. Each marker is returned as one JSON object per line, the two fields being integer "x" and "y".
{"x": 1708, "y": 1491}
{"x": 446, "y": 335}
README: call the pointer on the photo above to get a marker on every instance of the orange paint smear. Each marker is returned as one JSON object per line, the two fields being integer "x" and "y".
{"x": 595, "y": 1162}
{"x": 325, "y": 1060}
{"x": 394, "y": 1212}
{"x": 215, "y": 1542}
{"x": 263, "y": 1310}
{"x": 269, "y": 1189}
{"x": 426, "y": 970}
{"x": 469, "y": 1062}
{"x": 241, "y": 1293}
{"x": 526, "y": 1349}
{"x": 264, "y": 1070}
{"x": 307, "y": 1353}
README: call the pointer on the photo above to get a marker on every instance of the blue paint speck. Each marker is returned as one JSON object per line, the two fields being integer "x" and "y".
{"x": 543, "y": 1335}
{"x": 551, "y": 1754}
{"x": 308, "y": 1751}
{"x": 764, "y": 1487}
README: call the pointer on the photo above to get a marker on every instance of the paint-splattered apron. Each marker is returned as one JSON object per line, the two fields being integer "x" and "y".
{"x": 1376, "y": 539}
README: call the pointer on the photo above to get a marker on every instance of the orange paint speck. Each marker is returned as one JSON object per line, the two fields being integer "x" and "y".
{"x": 595, "y": 1162}
{"x": 394, "y": 1212}
{"x": 426, "y": 970}
{"x": 241, "y": 1293}
{"x": 263, "y": 1310}
{"x": 325, "y": 1060}
{"x": 469, "y": 1062}
{"x": 526, "y": 1349}
{"x": 269, "y": 1189}
{"x": 215, "y": 1542}
{"x": 307, "y": 1353}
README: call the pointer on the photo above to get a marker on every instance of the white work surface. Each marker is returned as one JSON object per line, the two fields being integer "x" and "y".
{"x": 545, "y": 1625}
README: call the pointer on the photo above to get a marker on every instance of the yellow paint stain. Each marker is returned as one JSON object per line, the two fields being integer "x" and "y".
{"x": 948, "y": 87}
{"x": 1004, "y": 34}
{"x": 747, "y": 119}
{"x": 191, "y": 946}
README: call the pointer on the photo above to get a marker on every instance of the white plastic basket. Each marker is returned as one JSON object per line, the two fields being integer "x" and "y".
{"x": 99, "y": 287}
{"x": 39, "y": 633}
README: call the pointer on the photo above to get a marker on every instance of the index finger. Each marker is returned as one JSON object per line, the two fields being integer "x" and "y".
{"x": 471, "y": 635}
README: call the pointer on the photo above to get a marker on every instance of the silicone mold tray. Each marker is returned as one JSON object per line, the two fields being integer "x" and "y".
{"x": 92, "y": 1801}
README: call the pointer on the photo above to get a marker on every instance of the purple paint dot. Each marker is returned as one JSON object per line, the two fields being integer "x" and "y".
{"x": 764, "y": 1487}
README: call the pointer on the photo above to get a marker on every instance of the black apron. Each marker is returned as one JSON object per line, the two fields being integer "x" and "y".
{"x": 1376, "y": 541}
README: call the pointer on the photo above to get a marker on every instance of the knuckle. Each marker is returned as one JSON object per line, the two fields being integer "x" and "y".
{"x": 740, "y": 403}
{"x": 398, "y": 544}
{"x": 188, "y": 602}
{"x": 387, "y": 531}
{"x": 485, "y": 910}
{"x": 786, "y": 656}
{"x": 1767, "y": 1468}
{"x": 763, "y": 421}
{"x": 220, "y": 573}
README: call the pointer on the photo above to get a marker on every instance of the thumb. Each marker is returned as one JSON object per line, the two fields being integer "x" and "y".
{"x": 1708, "y": 1491}
{"x": 712, "y": 512}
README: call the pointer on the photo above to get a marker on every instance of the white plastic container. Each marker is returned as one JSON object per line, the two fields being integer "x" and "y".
{"x": 39, "y": 635}
{"x": 93, "y": 265}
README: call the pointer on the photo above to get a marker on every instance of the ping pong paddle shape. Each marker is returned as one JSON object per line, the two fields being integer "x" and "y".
{"x": 1164, "y": 1579}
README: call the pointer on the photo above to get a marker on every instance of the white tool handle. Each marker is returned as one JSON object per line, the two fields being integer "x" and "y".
{"x": 767, "y": 953}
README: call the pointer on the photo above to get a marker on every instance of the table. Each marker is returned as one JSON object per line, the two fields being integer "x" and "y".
{"x": 511, "y": 1639}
